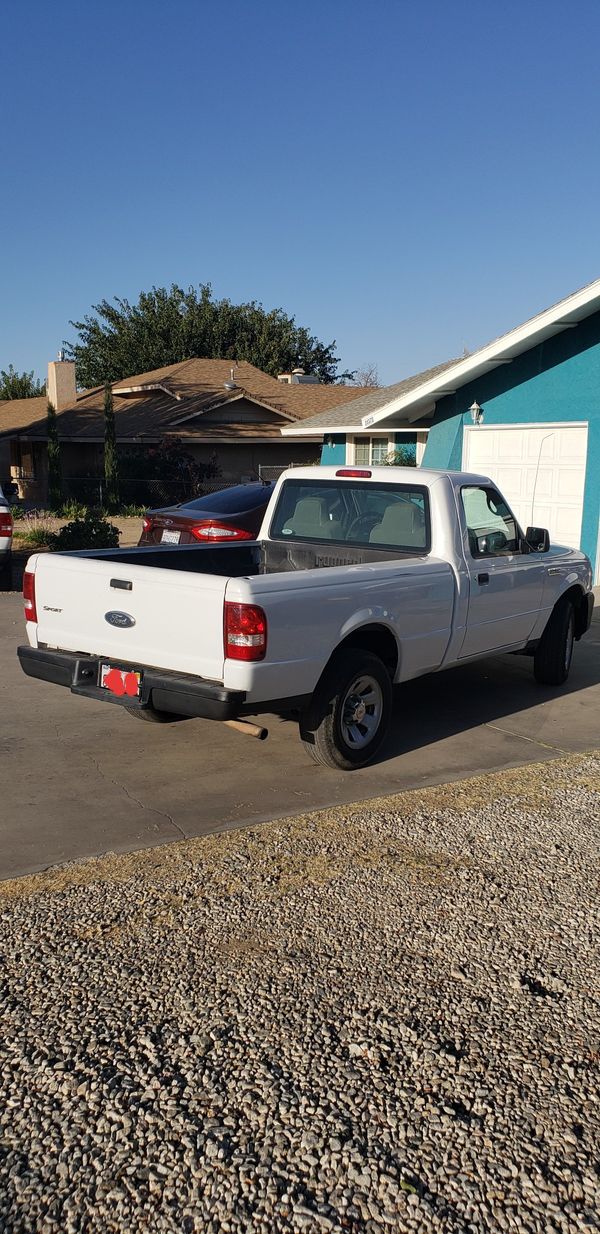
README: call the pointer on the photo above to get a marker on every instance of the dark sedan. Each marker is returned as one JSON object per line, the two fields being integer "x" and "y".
{"x": 227, "y": 516}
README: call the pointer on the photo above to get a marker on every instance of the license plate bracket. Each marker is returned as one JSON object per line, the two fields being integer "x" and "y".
{"x": 123, "y": 682}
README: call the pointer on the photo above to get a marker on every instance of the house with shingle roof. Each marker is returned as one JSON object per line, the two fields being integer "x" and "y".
{"x": 224, "y": 413}
{"x": 523, "y": 410}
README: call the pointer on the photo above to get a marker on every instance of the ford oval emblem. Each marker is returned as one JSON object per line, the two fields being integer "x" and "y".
{"x": 121, "y": 620}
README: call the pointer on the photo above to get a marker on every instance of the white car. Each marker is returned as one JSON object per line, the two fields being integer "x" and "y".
{"x": 360, "y": 578}
{"x": 6, "y": 535}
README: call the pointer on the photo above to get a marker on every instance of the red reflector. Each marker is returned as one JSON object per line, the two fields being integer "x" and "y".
{"x": 29, "y": 596}
{"x": 359, "y": 475}
{"x": 219, "y": 531}
{"x": 6, "y": 523}
{"x": 245, "y": 632}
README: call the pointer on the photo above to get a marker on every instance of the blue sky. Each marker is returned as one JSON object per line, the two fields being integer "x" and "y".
{"x": 408, "y": 178}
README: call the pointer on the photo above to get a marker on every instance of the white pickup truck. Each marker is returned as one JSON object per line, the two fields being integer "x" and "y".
{"x": 359, "y": 579}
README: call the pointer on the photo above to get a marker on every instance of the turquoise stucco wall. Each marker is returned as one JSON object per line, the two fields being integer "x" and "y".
{"x": 558, "y": 380}
{"x": 333, "y": 451}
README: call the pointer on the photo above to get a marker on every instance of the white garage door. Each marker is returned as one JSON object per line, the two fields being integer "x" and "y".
{"x": 539, "y": 468}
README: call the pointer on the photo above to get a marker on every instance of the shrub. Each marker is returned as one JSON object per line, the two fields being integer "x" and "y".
{"x": 401, "y": 456}
{"x": 164, "y": 474}
{"x": 92, "y": 531}
{"x": 132, "y": 511}
{"x": 35, "y": 532}
{"x": 73, "y": 509}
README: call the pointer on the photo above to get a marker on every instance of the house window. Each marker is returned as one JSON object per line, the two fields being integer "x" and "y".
{"x": 371, "y": 450}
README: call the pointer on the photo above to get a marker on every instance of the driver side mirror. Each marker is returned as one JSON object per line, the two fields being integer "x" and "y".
{"x": 538, "y": 539}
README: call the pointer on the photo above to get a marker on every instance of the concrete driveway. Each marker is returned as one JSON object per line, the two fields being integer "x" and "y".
{"x": 80, "y": 778}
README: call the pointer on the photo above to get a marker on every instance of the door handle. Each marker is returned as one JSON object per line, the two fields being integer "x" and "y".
{"x": 483, "y": 579}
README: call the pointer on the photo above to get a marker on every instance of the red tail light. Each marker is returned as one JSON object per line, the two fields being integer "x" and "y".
{"x": 29, "y": 596}
{"x": 245, "y": 632}
{"x": 6, "y": 523}
{"x": 219, "y": 531}
{"x": 146, "y": 524}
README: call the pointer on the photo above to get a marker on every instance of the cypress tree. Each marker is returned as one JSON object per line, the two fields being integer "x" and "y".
{"x": 54, "y": 464}
{"x": 111, "y": 462}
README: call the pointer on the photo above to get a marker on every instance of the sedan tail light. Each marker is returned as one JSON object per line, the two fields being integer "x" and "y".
{"x": 6, "y": 523}
{"x": 146, "y": 524}
{"x": 29, "y": 596}
{"x": 245, "y": 632}
{"x": 211, "y": 531}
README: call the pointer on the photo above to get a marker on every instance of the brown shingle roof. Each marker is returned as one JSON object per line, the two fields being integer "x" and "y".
{"x": 373, "y": 400}
{"x": 19, "y": 413}
{"x": 189, "y": 389}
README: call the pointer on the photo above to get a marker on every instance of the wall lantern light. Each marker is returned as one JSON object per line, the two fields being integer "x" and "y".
{"x": 476, "y": 413}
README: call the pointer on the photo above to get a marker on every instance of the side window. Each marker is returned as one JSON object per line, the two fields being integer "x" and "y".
{"x": 492, "y": 529}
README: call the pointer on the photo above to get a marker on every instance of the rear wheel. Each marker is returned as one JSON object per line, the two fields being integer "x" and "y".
{"x": 351, "y": 711}
{"x": 552, "y": 659}
{"x": 152, "y": 716}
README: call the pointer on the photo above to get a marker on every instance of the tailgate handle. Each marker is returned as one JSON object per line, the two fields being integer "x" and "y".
{"x": 122, "y": 584}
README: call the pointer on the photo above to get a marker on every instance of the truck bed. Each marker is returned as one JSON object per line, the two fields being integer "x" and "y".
{"x": 246, "y": 560}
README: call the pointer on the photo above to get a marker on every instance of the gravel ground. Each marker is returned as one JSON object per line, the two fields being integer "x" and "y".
{"x": 377, "y": 1018}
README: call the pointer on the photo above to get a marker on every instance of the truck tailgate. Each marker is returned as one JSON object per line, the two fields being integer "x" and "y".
{"x": 171, "y": 619}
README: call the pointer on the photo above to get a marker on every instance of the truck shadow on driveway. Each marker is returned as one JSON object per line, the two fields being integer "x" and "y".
{"x": 434, "y": 708}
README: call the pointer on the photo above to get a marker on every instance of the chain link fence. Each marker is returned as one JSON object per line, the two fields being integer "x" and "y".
{"x": 90, "y": 490}
{"x": 269, "y": 474}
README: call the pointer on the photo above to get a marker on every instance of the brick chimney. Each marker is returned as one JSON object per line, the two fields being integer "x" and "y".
{"x": 60, "y": 388}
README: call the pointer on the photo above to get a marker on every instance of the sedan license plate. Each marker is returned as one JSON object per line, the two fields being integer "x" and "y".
{"x": 170, "y": 537}
{"x": 124, "y": 682}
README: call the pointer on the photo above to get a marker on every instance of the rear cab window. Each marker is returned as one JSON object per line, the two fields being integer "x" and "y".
{"x": 383, "y": 516}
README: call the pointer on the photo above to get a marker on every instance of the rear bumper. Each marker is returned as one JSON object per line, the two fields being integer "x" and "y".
{"x": 165, "y": 691}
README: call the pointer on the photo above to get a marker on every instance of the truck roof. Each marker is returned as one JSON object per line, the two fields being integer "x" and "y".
{"x": 387, "y": 475}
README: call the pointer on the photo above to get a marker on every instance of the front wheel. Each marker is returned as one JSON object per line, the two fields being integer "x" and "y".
{"x": 351, "y": 712}
{"x": 552, "y": 659}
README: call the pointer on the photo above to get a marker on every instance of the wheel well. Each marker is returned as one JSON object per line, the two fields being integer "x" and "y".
{"x": 376, "y": 639}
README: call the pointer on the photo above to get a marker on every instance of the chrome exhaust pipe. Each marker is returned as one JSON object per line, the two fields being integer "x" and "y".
{"x": 251, "y": 730}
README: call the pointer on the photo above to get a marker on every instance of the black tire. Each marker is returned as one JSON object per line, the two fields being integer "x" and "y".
{"x": 350, "y": 714}
{"x": 152, "y": 716}
{"x": 553, "y": 655}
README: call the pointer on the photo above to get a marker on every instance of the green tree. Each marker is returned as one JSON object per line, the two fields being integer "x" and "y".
{"x": 166, "y": 326}
{"x": 111, "y": 461}
{"x": 54, "y": 461}
{"x": 19, "y": 385}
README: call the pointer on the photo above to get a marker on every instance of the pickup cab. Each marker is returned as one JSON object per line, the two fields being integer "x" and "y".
{"x": 359, "y": 579}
